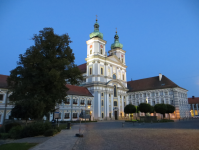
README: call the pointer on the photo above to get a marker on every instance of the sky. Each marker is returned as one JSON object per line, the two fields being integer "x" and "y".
{"x": 159, "y": 36}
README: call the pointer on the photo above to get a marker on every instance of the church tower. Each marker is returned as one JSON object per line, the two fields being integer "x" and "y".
{"x": 116, "y": 49}
{"x": 106, "y": 76}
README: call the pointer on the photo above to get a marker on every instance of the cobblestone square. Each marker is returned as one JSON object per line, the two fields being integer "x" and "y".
{"x": 182, "y": 135}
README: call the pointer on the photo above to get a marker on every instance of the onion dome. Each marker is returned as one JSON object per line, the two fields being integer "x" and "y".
{"x": 96, "y": 32}
{"x": 116, "y": 44}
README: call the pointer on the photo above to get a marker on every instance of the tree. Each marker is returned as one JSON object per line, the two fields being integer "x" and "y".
{"x": 43, "y": 71}
{"x": 170, "y": 109}
{"x": 144, "y": 107}
{"x": 137, "y": 111}
{"x": 129, "y": 109}
{"x": 27, "y": 109}
{"x": 152, "y": 109}
{"x": 160, "y": 108}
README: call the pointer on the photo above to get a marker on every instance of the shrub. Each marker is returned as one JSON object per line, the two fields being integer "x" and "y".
{"x": 4, "y": 136}
{"x": 15, "y": 132}
{"x": 35, "y": 129}
{"x": 2, "y": 130}
{"x": 58, "y": 129}
{"x": 11, "y": 125}
{"x": 49, "y": 132}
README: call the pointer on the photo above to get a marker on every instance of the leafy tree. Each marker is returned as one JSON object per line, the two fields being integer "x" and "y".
{"x": 170, "y": 109}
{"x": 152, "y": 109}
{"x": 161, "y": 108}
{"x": 137, "y": 111}
{"x": 43, "y": 71}
{"x": 144, "y": 107}
{"x": 27, "y": 109}
{"x": 129, "y": 109}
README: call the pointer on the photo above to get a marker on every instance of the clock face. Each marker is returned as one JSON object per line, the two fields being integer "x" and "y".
{"x": 91, "y": 46}
{"x": 101, "y": 46}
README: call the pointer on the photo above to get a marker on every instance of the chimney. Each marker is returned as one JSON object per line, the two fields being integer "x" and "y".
{"x": 193, "y": 97}
{"x": 160, "y": 76}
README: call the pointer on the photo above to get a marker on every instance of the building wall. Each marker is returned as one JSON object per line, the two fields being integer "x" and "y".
{"x": 174, "y": 96}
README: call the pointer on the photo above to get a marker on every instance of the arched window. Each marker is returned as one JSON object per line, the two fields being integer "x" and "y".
{"x": 114, "y": 76}
{"x": 115, "y": 91}
{"x": 101, "y": 51}
{"x": 90, "y": 71}
{"x": 101, "y": 71}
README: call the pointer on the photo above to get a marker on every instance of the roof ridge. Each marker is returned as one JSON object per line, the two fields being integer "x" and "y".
{"x": 143, "y": 78}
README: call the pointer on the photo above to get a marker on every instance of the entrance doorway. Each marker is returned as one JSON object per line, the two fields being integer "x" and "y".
{"x": 115, "y": 115}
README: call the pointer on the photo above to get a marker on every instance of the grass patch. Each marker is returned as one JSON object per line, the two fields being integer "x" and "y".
{"x": 17, "y": 146}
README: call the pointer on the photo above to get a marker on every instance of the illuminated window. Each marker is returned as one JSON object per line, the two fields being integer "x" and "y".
{"x": 90, "y": 51}
{"x": 90, "y": 71}
{"x": 115, "y": 91}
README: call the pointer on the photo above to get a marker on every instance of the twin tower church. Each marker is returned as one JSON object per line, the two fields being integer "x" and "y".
{"x": 105, "y": 90}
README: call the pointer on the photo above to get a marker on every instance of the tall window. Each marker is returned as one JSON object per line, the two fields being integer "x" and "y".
{"x": 74, "y": 101}
{"x": 114, "y": 76}
{"x": 90, "y": 51}
{"x": 67, "y": 101}
{"x": 90, "y": 71}
{"x": 101, "y": 51}
{"x": 102, "y": 115}
{"x": 115, "y": 91}
{"x": 115, "y": 103}
{"x": 122, "y": 60}
{"x": 102, "y": 94}
{"x": 66, "y": 116}
{"x": 101, "y": 71}
{"x": 102, "y": 103}
{"x": 74, "y": 115}
{"x": 1, "y": 97}
{"x": 123, "y": 77}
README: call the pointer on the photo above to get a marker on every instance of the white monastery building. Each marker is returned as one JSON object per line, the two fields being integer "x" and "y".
{"x": 105, "y": 90}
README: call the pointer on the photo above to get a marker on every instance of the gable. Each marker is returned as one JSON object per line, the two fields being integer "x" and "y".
{"x": 115, "y": 59}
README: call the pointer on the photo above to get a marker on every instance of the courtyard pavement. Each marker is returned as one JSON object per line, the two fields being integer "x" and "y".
{"x": 179, "y": 135}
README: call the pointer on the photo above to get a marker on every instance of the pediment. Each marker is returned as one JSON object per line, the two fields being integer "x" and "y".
{"x": 115, "y": 59}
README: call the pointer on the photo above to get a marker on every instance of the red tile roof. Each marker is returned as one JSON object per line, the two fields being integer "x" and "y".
{"x": 73, "y": 90}
{"x": 194, "y": 100}
{"x": 82, "y": 68}
{"x": 78, "y": 90}
{"x": 3, "y": 81}
{"x": 150, "y": 84}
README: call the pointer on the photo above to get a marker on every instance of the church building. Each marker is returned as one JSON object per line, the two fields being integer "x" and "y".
{"x": 105, "y": 90}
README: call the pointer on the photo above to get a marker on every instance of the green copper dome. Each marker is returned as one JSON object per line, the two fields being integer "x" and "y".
{"x": 96, "y": 32}
{"x": 116, "y": 44}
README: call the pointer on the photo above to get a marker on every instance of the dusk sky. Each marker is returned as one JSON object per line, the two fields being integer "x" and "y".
{"x": 159, "y": 36}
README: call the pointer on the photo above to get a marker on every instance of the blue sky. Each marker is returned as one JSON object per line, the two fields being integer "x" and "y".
{"x": 158, "y": 36}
